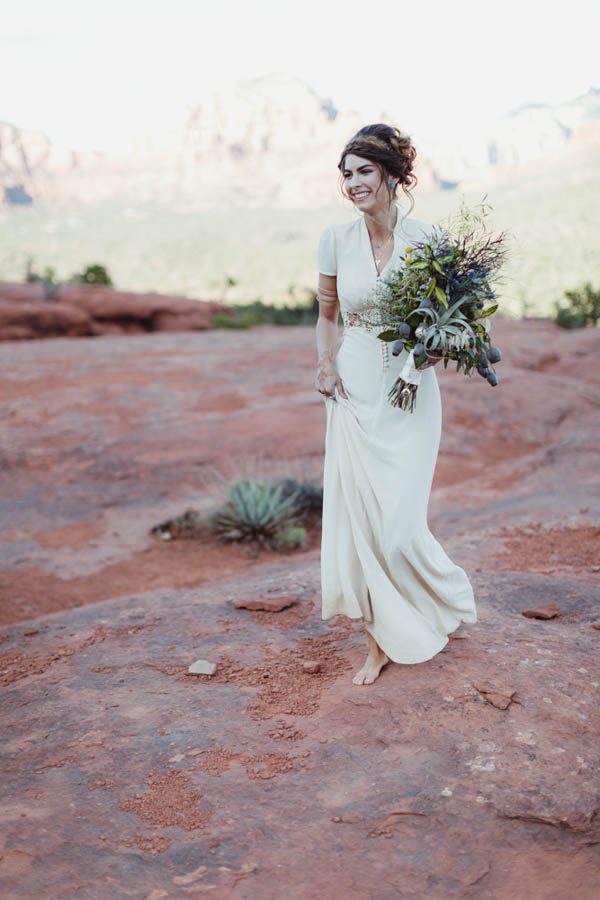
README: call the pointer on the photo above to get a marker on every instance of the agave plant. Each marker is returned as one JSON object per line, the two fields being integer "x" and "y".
{"x": 255, "y": 512}
{"x": 309, "y": 495}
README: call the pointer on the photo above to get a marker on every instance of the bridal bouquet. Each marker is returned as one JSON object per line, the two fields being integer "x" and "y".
{"x": 440, "y": 302}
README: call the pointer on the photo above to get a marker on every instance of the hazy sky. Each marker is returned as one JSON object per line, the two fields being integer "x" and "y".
{"x": 93, "y": 74}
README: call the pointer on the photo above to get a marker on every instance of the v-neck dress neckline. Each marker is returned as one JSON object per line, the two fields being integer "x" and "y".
{"x": 397, "y": 229}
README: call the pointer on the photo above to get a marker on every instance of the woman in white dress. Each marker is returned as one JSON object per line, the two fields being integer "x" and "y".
{"x": 379, "y": 561}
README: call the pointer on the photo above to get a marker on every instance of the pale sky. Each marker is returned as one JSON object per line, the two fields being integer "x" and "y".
{"x": 92, "y": 75}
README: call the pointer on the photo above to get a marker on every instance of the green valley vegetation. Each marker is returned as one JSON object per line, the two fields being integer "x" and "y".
{"x": 251, "y": 257}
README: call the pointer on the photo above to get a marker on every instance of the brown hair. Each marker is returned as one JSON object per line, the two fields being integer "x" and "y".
{"x": 390, "y": 150}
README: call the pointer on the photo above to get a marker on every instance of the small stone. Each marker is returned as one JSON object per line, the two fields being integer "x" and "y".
{"x": 202, "y": 667}
{"x": 446, "y": 792}
{"x": 501, "y": 698}
{"x": 550, "y": 611}
{"x": 268, "y": 604}
{"x": 311, "y": 666}
{"x": 596, "y": 625}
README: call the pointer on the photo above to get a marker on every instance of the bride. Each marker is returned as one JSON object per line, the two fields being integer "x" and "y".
{"x": 379, "y": 561}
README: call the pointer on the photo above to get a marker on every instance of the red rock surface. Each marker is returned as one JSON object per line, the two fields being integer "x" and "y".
{"x": 473, "y": 774}
{"x": 83, "y": 309}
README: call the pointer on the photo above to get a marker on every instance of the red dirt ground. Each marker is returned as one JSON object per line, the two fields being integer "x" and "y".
{"x": 474, "y": 774}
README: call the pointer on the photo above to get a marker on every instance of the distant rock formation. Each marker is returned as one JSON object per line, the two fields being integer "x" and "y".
{"x": 81, "y": 309}
{"x": 273, "y": 140}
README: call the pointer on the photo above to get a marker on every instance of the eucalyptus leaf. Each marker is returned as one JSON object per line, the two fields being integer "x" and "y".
{"x": 489, "y": 311}
{"x": 441, "y": 296}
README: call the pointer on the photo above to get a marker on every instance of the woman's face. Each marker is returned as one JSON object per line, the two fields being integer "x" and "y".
{"x": 363, "y": 183}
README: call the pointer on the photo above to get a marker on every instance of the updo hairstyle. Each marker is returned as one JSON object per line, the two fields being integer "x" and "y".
{"x": 391, "y": 151}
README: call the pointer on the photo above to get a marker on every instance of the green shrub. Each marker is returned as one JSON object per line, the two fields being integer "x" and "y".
{"x": 247, "y": 315}
{"x": 583, "y": 308}
{"x": 48, "y": 280}
{"x": 292, "y": 537}
{"x": 94, "y": 274}
{"x": 309, "y": 495}
{"x": 221, "y": 320}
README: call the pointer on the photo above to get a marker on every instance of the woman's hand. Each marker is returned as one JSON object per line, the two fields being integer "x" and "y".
{"x": 433, "y": 358}
{"x": 327, "y": 380}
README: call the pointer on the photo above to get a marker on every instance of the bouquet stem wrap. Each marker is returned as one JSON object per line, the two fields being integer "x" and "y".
{"x": 404, "y": 389}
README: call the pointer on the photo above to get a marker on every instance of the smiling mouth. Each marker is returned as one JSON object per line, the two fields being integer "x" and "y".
{"x": 361, "y": 196}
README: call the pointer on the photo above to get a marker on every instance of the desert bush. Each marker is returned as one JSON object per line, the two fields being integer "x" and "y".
{"x": 48, "y": 280}
{"x": 583, "y": 308}
{"x": 92, "y": 274}
{"x": 221, "y": 320}
{"x": 292, "y": 537}
{"x": 256, "y": 512}
{"x": 258, "y": 313}
{"x": 309, "y": 494}
{"x": 189, "y": 525}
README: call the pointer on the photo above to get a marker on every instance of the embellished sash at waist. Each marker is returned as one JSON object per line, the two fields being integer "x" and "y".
{"x": 357, "y": 319}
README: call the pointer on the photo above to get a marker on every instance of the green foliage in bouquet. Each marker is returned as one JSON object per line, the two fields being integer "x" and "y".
{"x": 256, "y": 512}
{"x": 440, "y": 301}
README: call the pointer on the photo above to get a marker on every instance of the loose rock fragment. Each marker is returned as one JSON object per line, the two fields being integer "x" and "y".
{"x": 312, "y": 666}
{"x": 501, "y": 698}
{"x": 550, "y": 611}
{"x": 202, "y": 667}
{"x": 269, "y": 604}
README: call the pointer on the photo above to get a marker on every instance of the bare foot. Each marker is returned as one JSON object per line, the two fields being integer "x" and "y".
{"x": 374, "y": 663}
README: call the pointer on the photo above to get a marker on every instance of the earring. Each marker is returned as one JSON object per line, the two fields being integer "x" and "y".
{"x": 392, "y": 185}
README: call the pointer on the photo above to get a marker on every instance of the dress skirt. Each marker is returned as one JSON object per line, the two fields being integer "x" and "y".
{"x": 379, "y": 561}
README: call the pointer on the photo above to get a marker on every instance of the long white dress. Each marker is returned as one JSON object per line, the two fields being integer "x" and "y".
{"x": 379, "y": 560}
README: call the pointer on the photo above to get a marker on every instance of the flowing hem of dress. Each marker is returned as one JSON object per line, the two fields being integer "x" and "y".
{"x": 468, "y": 618}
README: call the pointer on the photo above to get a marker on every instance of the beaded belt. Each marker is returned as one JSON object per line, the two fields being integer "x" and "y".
{"x": 354, "y": 318}
{"x": 351, "y": 319}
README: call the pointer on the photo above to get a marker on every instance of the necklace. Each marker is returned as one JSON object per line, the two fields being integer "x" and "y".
{"x": 378, "y": 246}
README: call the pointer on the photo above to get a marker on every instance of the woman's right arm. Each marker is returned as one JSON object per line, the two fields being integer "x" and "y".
{"x": 327, "y": 378}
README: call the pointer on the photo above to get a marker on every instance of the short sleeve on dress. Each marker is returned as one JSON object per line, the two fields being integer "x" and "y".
{"x": 327, "y": 260}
